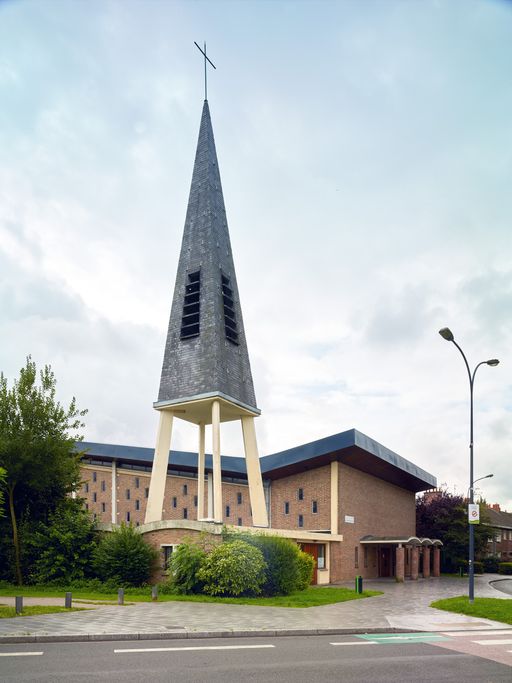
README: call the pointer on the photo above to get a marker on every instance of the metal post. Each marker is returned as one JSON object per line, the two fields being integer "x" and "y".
{"x": 18, "y": 604}
{"x": 154, "y": 592}
{"x": 68, "y": 600}
{"x": 120, "y": 596}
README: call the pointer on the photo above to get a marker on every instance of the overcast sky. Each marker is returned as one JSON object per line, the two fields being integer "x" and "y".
{"x": 365, "y": 150}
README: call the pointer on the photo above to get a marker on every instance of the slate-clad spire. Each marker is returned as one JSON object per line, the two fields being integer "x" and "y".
{"x": 206, "y": 352}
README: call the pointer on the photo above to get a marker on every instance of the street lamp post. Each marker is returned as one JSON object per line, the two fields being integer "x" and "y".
{"x": 447, "y": 334}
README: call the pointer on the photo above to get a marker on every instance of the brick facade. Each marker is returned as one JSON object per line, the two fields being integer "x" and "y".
{"x": 316, "y": 488}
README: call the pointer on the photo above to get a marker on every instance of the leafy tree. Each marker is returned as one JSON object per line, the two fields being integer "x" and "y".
{"x": 306, "y": 564}
{"x": 2, "y": 484}
{"x": 443, "y": 515}
{"x": 233, "y": 569}
{"x": 124, "y": 557}
{"x": 184, "y": 564}
{"x": 62, "y": 549}
{"x": 37, "y": 449}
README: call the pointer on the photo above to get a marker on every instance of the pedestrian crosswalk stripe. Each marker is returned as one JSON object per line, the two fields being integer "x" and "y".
{"x": 20, "y": 654}
{"x": 400, "y": 638}
{"x": 184, "y": 649}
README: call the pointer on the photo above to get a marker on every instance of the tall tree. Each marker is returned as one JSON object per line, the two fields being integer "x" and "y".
{"x": 37, "y": 449}
{"x": 440, "y": 514}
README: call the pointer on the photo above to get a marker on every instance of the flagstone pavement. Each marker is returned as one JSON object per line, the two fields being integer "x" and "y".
{"x": 402, "y": 607}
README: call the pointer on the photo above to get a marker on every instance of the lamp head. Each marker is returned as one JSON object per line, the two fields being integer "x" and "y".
{"x": 493, "y": 362}
{"x": 446, "y": 333}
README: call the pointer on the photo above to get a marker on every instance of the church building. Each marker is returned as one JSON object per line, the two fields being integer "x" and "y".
{"x": 345, "y": 499}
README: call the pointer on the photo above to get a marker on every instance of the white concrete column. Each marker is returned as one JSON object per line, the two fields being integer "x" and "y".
{"x": 210, "y": 495}
{"x": 200, "y": 474}
{"x": 256, "y": 493}
{"x": 217, "y": 473}
{"x": 113, "y": 492}
{"x": 335, "y": 471}
{"x": 159, "y": 470}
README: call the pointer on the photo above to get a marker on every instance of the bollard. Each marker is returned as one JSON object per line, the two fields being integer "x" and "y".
{"x": 120, "y": 596}
{"x": 154, "y": 592}
{"x": 18, "y": 604}
{"x": 68, "y": 600}
{"x": 359, "y": 584}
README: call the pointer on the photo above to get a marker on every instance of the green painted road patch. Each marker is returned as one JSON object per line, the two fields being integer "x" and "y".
{"x": 401, "y": 638}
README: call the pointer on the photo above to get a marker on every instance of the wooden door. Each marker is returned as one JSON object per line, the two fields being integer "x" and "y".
{"x": 385, "y": 562}
{"x": 312, "y": 549}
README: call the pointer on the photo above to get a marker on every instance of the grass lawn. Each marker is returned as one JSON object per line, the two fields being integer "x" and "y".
{"x": 311, "y": 597}
{"x": 486, "y": 608}
{"x": 29, "y": 611}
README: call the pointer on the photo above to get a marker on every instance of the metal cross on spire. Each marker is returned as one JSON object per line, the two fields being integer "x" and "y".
{"x": 206, "y": 59}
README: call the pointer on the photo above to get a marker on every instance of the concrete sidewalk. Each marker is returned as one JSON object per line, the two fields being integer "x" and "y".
{"x": 402, "y": 607}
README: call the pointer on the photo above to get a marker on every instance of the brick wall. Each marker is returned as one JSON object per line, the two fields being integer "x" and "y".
{"x": 379, "y": 509}
{"x": 316, "y": 486}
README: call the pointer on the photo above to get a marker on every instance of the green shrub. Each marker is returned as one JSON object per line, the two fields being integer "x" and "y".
{"x": 183, "y": 567}
{"x": 505, "y": 568}
{"x": 124, "y": 557}
{"x": 281, "y": 555}
{"x": 478, "y": 567}
{"x": 306, "y": 564}
{"x": 232, "y": 569}
{"x": 491, "y": 564}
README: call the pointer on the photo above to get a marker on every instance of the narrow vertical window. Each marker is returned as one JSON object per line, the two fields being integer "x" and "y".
{"x": 137, "y": 482}
{"x": 239, "y": 521}
{"x": 314, "y": 506}
{"x": 94, "y": 476}
{"x": 185, "y": 489}
{"x": 94, "y": 497}
{"x": 127, "y": 516}
{"x": 185, "y": 513}
{"x": 301, "y": 520}
{"x": 287, "y": 508}
{"x": 86, "y": 488}
{"x": 174, "y": 502}
{"x": 146, "y": 492}
{"x": 103, "y": 485}
{"x": 230, "y": 324}
{"x": 195, "y": 501}
{"x": 228, "y": 511}
{"x": 321, "y": 556}
{"x": 239, "y": 498}
{"x": 300, "y": 494}
{"x": 127, "y": 494}
{"x": 191, "y": 303}
{"x": 137, "y": 504}
{"x": 366, "y": 555}
{"x": 356, "y": 557}
{"x": 103, "y": 507}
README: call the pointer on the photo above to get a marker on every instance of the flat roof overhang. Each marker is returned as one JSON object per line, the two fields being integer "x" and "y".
{"x": 399, "y": 540}
{"x": 354, "y": 449}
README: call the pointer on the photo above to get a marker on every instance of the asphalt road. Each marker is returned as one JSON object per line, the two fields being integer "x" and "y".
{"x": 283, "y": 660}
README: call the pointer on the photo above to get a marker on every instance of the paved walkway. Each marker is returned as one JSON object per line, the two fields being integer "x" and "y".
{"x": 403, "y": 607}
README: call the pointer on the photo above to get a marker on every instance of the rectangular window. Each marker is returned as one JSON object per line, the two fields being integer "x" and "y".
{"x": 228, "y": 511}
{"x": 314, "y": 507}
{"x": 137, "y": 482}
{"x": 239, "y": 498}
{"x": 287, "y": 508}
{"x": 239, "y": 521}
{"x": 167, "y": 551}
{"x": 300, "y": 494}
{"x": 137, "y": 504}
{"x": 301, "y": 521}
{"x": 195, "y": 501}
{"x": 128, "y": 516}
{"x": 103, "y": 507}
{"x": 103, "y": 485}
{"x": 321, "y": 556}
{"x": 185, "y": 490}
{"x": 94, "y": 497}
{"x": 86, "y": 488}
{"x": 356, "y": 557}
{"x": 94, "y": 476}
{"x": 191, "y": 304}
{"x": 174, "y": 502}
{"x": 128, "y": 494}
{"x": 185, "y": 513}
{"x": 146, "y": 492}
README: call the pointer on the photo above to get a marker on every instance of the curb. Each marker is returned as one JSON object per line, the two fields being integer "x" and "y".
{"x": 192, "y": 635}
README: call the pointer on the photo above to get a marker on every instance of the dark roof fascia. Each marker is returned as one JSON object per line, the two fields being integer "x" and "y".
{"x": 354, "y": 449}
{"x": 144, "y": 456}
{"x": 497, "y": 518}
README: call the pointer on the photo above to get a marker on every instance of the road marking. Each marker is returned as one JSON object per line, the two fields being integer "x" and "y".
{"x": 400, "y": 638}
{"x": 20, "y": 654}
{"x": 499, "y": 641}
{"x": 184, "y": 649}
{"x": 350, "y": 642}
{"x": 461, "y": 634}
